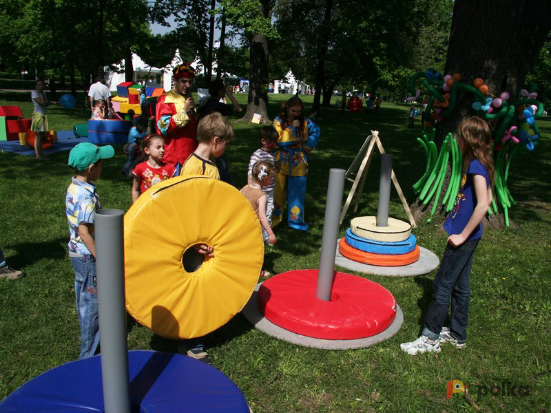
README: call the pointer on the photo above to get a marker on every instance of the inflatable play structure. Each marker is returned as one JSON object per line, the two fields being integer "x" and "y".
{"x": 514, "y": 129}
{"x": 323, "y": 308}
{"x": 129, "y": 97}
{"x": 12, "y": 124}
{"x": 170, "y": 289}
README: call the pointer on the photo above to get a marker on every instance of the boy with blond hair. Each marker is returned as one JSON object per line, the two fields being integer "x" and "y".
{"x": 81, "y": 202}
{"x": 213, "y": 134}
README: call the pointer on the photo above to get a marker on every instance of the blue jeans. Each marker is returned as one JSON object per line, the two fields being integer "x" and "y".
{"x": 86, "y": 292}
{"x": 130, "y": 156}
{"x": 451, "y": 280}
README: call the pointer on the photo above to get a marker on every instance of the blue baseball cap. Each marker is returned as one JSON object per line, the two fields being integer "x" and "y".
{"x": 85, "y": 154}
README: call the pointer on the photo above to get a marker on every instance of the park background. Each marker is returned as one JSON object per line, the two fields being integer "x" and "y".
{"x": 511, "y": 304}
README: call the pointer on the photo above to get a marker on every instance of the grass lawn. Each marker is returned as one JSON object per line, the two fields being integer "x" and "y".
{"x": 510, "y": 313}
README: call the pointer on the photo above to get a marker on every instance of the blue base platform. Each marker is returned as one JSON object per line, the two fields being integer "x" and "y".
{"x": 66, "y": 140}
{"x": 159, "y": 382}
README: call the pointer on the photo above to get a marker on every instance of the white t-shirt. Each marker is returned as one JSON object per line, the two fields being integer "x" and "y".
{"x": 38, "y": 108}
{"x": 99, "y": 91}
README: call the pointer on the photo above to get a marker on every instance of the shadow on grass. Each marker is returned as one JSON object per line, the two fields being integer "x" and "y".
{"x": 28, "y": 253}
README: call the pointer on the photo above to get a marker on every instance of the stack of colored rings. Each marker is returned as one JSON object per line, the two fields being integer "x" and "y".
{"x": 390, "y": 246}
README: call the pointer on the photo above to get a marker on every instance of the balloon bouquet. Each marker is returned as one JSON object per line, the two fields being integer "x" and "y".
{"x": 518, "y": 130}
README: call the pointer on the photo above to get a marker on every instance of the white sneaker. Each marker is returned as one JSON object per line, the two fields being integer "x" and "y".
{"x": 421, "y": 345}
{"x": 446, "y": 337}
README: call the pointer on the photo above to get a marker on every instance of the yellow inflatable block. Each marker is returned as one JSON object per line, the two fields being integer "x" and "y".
{"x": 164, "y": 223}
{"x": 366, "y": 227}
{"x": 134, "y": 91}
{"x": 119, "y": 99}
{"x": 125, "y": 107}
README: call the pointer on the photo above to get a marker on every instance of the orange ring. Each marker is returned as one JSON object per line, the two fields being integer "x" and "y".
{"x": 380, "y": 260}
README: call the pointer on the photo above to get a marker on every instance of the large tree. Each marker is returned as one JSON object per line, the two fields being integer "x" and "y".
{"x": 254, "y": 17}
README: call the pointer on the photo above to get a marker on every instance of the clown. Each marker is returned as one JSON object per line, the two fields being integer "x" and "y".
{"x": 298, "y": 136}
{"x": 176, "y": 117}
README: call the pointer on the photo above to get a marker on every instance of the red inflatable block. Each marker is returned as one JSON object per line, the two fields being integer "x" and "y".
{"x": 381, "y": 260}
{"x": 17, "y": 126}
{"x": 11, "y": 111}
{"x": 359, "y": 308}
{"x": 133, "y": 99}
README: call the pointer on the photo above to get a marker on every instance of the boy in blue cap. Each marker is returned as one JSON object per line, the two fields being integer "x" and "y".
{"x": 82, "y": 202}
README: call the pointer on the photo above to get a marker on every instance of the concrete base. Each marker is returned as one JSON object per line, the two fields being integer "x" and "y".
{"x": 428, "y": 261}
{"x": 257, "y": 319}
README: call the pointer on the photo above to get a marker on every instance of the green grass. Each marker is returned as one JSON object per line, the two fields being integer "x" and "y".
{"x": 509, "y": 330}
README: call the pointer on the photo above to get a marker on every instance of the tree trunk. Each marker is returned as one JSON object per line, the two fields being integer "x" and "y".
{"x": 321, "y": 55}
{"x": 258, "y": 96}
{"x": 73, "y": 81}
{"x": 221, "y": 49}
{"x": 53, "y": 89}
{"x": 328, "y": 94}
{"x": 211, "y": 43}
{"x": 128, "y": 66}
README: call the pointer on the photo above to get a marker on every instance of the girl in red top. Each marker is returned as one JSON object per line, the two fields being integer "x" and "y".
{"x": 153, "y": 170}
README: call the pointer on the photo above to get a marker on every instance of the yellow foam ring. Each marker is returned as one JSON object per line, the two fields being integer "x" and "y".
{"x": 165, "y": 222}
{"x": 366, "y": 227}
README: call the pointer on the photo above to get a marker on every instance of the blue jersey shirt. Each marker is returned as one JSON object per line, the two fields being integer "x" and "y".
{"x": 466, "y": 202}
{"x": 134, "y": 134}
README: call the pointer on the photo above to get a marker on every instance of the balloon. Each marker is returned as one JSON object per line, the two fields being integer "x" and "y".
{"x": 415, "y": 112}
{"x": 497, "y": 103}
{"x": 510, "y": 135}
{"x": 524, "y": 92}
{"x": 478, "y": 82}
{"x": 483, "y": 89}
{"x": 67, "y": 101}
{"x": 450, "y": 82}
{"x": 533, "y": 95}
{"x": 504, "y": 96}
{"x": 534, "y": 108}
{"x": 447, "y": 77}
{"x": 456, "y": 77}
{"x": 446, "y": 87}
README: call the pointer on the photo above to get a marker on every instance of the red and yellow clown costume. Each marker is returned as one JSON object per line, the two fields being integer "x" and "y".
{"x": 292, "y": 169}
{"x": 177, "y": 127}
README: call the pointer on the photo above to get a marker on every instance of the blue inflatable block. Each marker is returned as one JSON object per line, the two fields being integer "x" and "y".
{"x": 122, "y": 91}
{"x": 149, "y": 90}
{"x": 379, "y": 247}
{"x": 102, "y": 132}
{"x": 107, "y": 138}
{"x": 159, "y": 382}
{"x": 117, "y": 126}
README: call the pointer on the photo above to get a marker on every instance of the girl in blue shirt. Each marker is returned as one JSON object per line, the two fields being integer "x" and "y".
{"x": 464, "y": 227}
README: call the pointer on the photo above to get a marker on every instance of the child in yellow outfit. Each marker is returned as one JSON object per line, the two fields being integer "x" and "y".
{"x": 298, "y": 136}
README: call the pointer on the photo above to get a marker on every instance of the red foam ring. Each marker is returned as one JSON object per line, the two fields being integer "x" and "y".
{"x": 381, "y": 260}
{"x": 359, "y": 308}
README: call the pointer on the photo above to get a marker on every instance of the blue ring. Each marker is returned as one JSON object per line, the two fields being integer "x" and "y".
{"x": 380, "y": 247}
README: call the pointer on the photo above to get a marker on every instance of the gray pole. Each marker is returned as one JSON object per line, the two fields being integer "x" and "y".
{"x": 384, "y": 190}
{"x": 330, "y": 234}
{"x": 112, "y": 313}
